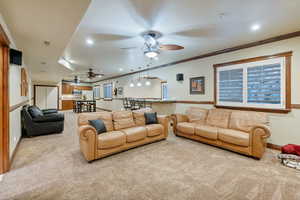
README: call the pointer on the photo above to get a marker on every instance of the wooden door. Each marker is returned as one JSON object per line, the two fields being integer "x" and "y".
{"x": 4, "y": 106}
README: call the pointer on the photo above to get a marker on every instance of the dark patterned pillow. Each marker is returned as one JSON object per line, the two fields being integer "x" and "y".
{"x": 151, "y": 118}
{"x": 98, "y": 125}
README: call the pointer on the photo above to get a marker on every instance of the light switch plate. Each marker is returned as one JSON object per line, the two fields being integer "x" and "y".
{"x": 1, "y": 178}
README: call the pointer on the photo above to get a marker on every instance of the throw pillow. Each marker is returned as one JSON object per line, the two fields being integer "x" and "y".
{"x": 35, "y": 111}
{"x": 151, "y": 118}
{"x": 99, "y": 125}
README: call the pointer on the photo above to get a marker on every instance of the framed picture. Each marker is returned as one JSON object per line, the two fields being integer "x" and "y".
{"x": 120, "y": 90}
{"x": 197, "y": 85}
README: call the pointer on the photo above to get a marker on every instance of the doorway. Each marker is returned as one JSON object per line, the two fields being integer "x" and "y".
{"x": 46, "y": 96}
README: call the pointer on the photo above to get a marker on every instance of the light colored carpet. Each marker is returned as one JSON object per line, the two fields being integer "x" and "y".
{"x": 52, "y": 167}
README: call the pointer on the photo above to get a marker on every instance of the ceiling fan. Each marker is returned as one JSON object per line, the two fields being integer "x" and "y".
{"x": 90, "y": 74}
{"x": 152, "y": 47}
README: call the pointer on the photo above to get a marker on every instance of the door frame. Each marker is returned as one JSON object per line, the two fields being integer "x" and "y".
{"x": 4, "y": 102}
{"x": 38, "y": 85}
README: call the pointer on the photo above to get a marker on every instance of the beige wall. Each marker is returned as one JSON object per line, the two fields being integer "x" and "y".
{"x": 285, "y": 127}
{"x": 15, "y": 96}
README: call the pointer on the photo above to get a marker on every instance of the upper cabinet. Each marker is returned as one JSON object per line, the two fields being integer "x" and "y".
{"x": 67, "y": 88}
{"x": 78, "y": 87}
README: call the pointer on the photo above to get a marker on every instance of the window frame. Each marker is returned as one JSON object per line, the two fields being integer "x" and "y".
{"x": 246, "y": 63}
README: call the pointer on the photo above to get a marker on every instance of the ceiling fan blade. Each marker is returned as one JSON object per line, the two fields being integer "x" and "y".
{"x": 110, "y": 37}
{"x": 171, "y": 47}
{"x": 145, "y": 13}
{"x": 128, "y": 48}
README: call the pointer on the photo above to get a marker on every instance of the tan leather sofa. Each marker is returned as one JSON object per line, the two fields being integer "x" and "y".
{"x": 244, "y": 132}
{"x": 125, "y": 130}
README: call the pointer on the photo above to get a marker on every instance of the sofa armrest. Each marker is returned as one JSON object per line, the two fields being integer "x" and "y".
{"x": 258, "y": 136}
{"x": 177, "y": 118}
{"x": 88, "y": 141}
{"x": 164, "y": 120}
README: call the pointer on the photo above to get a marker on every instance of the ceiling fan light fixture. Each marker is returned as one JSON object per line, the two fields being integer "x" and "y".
{"x": 151, "y": 54}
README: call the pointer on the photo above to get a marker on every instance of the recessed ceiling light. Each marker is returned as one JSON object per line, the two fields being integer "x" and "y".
{"x": 255, "y": 27}
{"x": 89, "y": 41}
{"x": 121, "y": 69}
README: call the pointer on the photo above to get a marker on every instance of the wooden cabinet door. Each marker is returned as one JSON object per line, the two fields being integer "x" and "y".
{"x": 67, "y": 88}
{"x": 67, "y": 104}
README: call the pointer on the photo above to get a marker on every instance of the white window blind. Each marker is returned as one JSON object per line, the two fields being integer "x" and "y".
{"x": 256, "y": 84}
{"x": 96, "y": 90}
{"x": 107, "y": 90}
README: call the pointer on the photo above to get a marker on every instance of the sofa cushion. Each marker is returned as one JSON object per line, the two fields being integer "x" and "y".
{"x": 123, "y": 119}
{"x": 154, "y": 130}
{"x": 106, "y": 117}
{"x": 218, "y": 118}
{"x": 138, "y": 116}
{"x": 209, "y": 132}
{"x": 186, "y": 127}
{"x": 135, "y": 133}
{"x": 196, "y": 115}
{"x": 245, "y": 120}
{"x": 111, "y": 139}
{"x": 99, "y": 125}
{"x": 234, "y": 137}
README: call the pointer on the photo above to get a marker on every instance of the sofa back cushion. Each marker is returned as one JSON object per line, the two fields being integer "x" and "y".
{"x": 123, "y": 119}
{"x": 138, "y": 116}
{"x": 245, "y": 120}
{"x": 35, "y": 111}
{"x": 106, "y": 117}
{"x": 196, "y": 115}
{"x": 218, "y": 117}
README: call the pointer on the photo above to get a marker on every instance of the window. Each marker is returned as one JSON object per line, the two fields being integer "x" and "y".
{"x": 164, "y": 90}
{"x": 262, "y": 83}
{"x": 96, "y": 90}
{"x": 107, "y": 91}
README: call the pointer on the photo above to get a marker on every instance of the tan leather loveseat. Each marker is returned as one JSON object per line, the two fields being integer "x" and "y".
{"x": 125, "y": 130}
{"x": 240, "y": 131}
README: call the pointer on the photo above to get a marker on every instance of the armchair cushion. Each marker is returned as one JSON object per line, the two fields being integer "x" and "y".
{"x": 49, "y": 118}
{"x": 35, "y": 111}
{"x": 99, "y": 125}
{"x": 151, "y": 118}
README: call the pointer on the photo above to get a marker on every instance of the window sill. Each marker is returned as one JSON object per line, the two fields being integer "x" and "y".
{"x": 283, "y": 111}
{"x": 107, "y": 99}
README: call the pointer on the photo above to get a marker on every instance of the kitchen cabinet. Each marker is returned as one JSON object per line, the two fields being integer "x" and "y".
{"x": 67, "y": 88}
{"x": 67, "y": 104}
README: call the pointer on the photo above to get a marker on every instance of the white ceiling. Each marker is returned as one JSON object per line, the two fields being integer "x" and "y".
{"x": 200, "y": 26}
{"x": 31, "y": 22}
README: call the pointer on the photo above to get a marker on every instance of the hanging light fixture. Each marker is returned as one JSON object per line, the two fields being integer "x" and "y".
{"x": 148, "y": 83}
{"x": 131, "y": 85}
